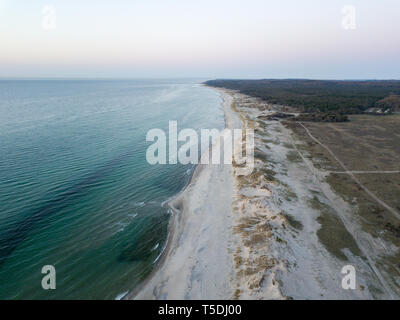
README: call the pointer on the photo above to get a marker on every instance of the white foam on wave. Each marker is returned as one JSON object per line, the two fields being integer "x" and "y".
{"x": 121, "y": 295}
{"x": 139, "y": 204}
{"x": 155, "y": 247}
{"x": 158, "y": 257}
{"x": 123, "y": 224}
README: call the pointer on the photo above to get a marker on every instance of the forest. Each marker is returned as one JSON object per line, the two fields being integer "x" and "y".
{"x": 321, "y": 96}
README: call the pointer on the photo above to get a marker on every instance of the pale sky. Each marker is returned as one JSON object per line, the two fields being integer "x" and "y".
{"x": 193, "y": 38}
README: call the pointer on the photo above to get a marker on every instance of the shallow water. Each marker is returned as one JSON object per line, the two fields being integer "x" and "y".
{"x": 76, "y": 191}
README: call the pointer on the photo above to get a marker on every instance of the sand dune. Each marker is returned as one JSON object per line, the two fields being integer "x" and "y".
{"x": 259, "y": 236}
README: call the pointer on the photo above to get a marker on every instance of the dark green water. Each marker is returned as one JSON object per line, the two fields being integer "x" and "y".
{"x": 76, "y": 191}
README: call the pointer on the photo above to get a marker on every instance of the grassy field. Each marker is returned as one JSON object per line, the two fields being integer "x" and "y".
{"x": 370, "y": 144}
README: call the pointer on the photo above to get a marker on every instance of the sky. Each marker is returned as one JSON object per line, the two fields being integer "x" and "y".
{"x": 201, "y": 39}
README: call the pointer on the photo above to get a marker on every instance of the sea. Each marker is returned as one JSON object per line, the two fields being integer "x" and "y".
{"x": 76, "y": 191}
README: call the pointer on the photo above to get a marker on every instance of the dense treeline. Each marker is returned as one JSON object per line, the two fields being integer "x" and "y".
{"x": 313, "y": 96}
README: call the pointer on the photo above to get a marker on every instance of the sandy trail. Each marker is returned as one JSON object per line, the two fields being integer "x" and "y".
{"x": 372, "y": 195}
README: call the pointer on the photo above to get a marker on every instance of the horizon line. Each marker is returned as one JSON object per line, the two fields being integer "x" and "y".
{"x": 187, "y": 78}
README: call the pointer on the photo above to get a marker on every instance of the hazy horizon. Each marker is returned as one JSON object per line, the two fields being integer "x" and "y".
{"x": 206, "y": 40}
{"x": 178, "y": 78}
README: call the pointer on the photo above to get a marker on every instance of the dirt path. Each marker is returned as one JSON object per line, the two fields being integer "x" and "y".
{"x": 347, "y": 223}
{"x": 350, "y": 173}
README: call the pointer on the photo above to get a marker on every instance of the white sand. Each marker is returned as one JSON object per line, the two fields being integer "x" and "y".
{"x": 198, "y": 264}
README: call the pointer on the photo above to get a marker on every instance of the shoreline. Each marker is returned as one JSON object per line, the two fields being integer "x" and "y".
{"x": 294, "y": 232}
{"x": 261, "y": 236}
{"x": 176, "y": 255}
{"x": 167, "y": 246}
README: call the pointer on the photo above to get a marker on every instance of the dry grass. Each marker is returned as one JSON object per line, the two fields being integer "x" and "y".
{"x": 366, "y": 143}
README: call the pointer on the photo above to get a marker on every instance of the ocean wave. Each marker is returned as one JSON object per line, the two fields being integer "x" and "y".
{"x": 121, "y": 295}
{"x": 139, "y": 204}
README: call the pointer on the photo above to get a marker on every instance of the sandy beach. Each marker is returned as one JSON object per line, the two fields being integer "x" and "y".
{"x": 259, "y": 236}
{"x": 197, "y": 263}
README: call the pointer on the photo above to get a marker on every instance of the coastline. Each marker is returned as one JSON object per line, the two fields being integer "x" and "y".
{"x": 261, "y": 236}
{"x": 196, "y": 262}
{"x": 294, "y": 233}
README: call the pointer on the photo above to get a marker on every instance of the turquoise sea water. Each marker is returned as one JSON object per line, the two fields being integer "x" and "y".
{"x": 76, "y": 191}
